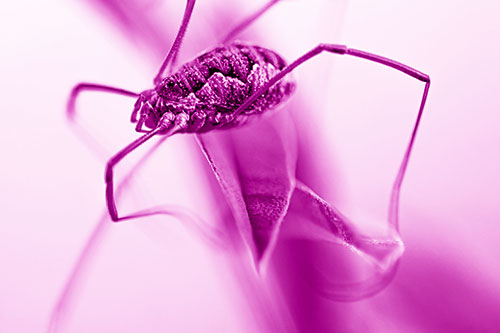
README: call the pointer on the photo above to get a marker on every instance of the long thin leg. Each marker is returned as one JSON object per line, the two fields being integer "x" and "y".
{"x": 94, "y": 145}
{"x": 338, "y": 49}
{"x": 82, "y": 86}
{"x": 172, "y": 54}
{"x": 341, "y": 49}
{"x": 396, "y": 187}
{"x": 110, "y": 198}
{"x": 165, "y": 128}
{"x": 247, "y": 21}
{"x": 66, "y": 297}
{"x": 362, "y": 289}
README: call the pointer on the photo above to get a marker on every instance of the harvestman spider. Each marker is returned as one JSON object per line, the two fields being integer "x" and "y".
{"x": 221, "y": 89}
{"x": 248, "y": 88}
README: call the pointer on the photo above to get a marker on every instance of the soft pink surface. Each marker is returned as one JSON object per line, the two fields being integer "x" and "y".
{"x": 158, "y": 275}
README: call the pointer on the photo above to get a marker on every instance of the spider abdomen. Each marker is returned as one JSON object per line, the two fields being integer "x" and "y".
{"x": 217, "y": 82}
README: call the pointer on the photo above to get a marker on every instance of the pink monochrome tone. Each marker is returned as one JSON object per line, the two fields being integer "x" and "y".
{"x": 300, "y": 221}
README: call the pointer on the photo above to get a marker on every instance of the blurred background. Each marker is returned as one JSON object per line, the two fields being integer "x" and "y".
{"x": 159, "y": 276}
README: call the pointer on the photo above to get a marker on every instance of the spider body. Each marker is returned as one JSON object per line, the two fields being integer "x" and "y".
{"x": 206, "y": 91}
{"x": 222, "y": 88}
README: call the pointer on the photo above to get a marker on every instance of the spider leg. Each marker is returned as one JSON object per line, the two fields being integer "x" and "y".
{"x": 174, "y": 49}
{"x": 342, "y": 49}
{"x": 83, "y": 86}
{"x": 165, "y": 128}
{"x": 67, "y": 295}
{"x": 209, "y": 234}
{"x": 247, "y": 21}
{"x": 94, "y": 145}
{"x": 110, "y": 197}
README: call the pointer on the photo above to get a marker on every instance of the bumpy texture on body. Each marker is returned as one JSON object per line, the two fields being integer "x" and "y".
{"x": 212, "y": 86}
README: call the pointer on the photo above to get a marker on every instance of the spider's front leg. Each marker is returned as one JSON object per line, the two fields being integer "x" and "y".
{"x": 165, "y": 127}
{"x": 85, "y": 86}
{"x": 344, "y": 50}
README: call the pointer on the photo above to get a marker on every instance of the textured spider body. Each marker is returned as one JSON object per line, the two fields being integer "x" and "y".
{"x": 222, "y": 88}
{"x": 207, "y": 91}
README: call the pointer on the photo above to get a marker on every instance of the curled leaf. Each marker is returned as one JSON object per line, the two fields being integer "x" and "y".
{"x": 255, "y": 166}
{"x": 312, "y": 218}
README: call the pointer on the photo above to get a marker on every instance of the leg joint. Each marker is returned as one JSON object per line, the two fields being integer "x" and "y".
{"x": 334, "y": 48}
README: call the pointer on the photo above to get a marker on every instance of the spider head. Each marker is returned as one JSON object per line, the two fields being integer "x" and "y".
{"x": 146, "y": 111}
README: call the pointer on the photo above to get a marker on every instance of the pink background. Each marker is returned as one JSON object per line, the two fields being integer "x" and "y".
{"x": 159, "y": 277}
